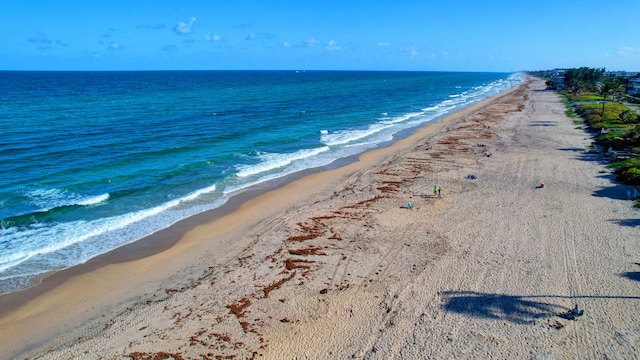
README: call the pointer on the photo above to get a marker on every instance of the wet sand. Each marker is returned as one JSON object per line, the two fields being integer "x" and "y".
{"x": 334, "y": 264}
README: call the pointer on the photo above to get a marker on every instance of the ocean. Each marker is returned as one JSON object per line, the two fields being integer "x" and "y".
{"x": 92, "y": 161}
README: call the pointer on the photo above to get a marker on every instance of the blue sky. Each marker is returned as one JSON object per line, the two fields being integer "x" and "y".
{"x": 489, "y": 35}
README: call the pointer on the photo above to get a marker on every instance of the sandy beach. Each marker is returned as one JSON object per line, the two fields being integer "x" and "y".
{"x": 335, "y": 265}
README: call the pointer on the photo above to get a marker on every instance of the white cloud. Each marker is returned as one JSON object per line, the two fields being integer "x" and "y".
{"x": 114, "y": 46}
{"x": 626, "y": 50}
{"x": 214, "y": 37}
{"x": 286, "y": 44}
{"x": 384, "y": 44}
{"x": 412, "y": 53}
{"x": 311, "y": 42}
{"x": 333, "y": 46}
{"x": 184, "y": 28}
{"x": 260, "y": 36}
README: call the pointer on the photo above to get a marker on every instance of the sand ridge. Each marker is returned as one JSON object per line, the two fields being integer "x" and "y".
{"x": 348, "y": 271}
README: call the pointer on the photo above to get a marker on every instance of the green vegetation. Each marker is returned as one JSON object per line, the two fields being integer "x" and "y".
{"x": 596, "y": 98}
{"x": 588, "y": 98}
{"x": 628, "y": 171}
{"x": 569, "y": 112}
{"x": 597, "y": 120}
{"x": 580, "y": 79}
{"x": 618, "y": 126}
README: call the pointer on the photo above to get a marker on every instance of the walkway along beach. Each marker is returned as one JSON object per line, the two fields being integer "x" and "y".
{"x": 333, "y": 265}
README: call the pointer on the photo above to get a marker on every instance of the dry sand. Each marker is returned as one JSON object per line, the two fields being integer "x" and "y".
{"x": 333, "y": 266}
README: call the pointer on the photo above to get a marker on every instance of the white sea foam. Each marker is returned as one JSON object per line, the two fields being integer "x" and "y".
{"x": 451, "y": 103}
{"x": 194, "y": 195}
{"x": 47, "y": 199}
{"x": 364, "y": 136}
{"x": 64, "y": 235}
{"x": 271, "y": 161}
{"x": 321, "y": 159}
{"x": 343, "y": 137}
{"x": 92, "y": 200}
{"x": 37, "y": 241}
{"x": 402, "y": 118}
{"x": 445, "y": 110}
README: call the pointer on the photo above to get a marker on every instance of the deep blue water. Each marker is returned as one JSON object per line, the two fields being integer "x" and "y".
{"x": 95, "y": 160}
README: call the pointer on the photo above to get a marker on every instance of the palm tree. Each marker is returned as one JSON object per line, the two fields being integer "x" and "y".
{"x": 628, "y": 117}
{"x": 576, "y": 89}
{"x": 634, "y": 134}
{"x": 620, "y": 90}
{"x": 605, "y": 89}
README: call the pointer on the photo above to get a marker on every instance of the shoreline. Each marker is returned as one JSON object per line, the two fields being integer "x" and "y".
{"x": 330, "y": 265}
{"x": 166, "y": 238}
{"x": 171, "y": 239}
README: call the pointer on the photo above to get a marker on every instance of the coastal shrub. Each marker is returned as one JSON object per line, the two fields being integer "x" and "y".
{"x": 588, "y": 97}
{"x": 612, "y": 120}
{"x": 564, "y": 96}
{"x": 628, "y": 171}
{"x": 628, "y": 117}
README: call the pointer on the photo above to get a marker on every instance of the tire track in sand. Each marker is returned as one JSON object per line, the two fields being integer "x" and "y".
{"x": 573, "y": 285}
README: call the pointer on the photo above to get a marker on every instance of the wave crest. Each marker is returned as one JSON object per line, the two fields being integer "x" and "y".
{"x": 271, "y": 161}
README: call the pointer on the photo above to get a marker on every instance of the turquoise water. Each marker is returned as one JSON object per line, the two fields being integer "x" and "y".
{"x": 95, "y": 160}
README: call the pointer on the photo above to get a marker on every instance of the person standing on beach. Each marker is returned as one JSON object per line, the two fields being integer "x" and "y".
{"x": 435, "y": 190}
{"x": 439, "y": 191}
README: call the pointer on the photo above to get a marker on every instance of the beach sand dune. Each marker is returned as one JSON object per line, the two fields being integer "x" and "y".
{"x": 336, "y": 265}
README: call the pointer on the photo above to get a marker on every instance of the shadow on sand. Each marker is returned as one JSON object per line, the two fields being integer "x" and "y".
{"x": 544, "y": 123}
{"x": 628, "y": 222}
{"x": 632, "y": 275}
{"x": 584, "y": 154}
{"x": 612, "y": 192}
{"x": 617, "y": 190}
{"x": 513, "y": 308}
{"x": 574, "y": 149}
